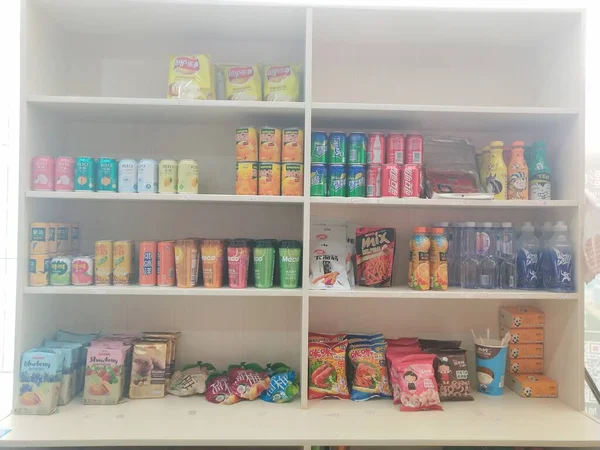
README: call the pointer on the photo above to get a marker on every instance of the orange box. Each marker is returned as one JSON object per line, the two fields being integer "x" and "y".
{"x": 292, "y": 178}
{"x": 516, "y": 366}
{"x": 521, "y": 317}
{"x": 246, "y": 144}
{"x": 523, "y": 335}
{"x": 533, "y": 386}
{"x": 246, "y": 179}
{"x": 269, "y": 178}
{"x": 270, "y": 145}
{"x": 526, "y": 351}
{"x": 292, "y": 145}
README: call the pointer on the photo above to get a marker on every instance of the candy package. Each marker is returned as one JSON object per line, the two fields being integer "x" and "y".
{"x": 248, "y": 381}
{"x": 190, "y": 380}
{"x": 218, "y": 389}
{"x": 283, "y": 386}
{"x": 451, "y": 371}
{"x": 327, "y": 370}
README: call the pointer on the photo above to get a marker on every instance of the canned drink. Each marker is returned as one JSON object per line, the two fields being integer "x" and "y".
{"x": 270, "y": 145}
{"x": 39, "y": 270}
{"x": 336, "y": 149}
{"x": 42, "y": 173}
{"x": 53, "y": 237}
{"x": 374, "y": 181}
{"x": 106, "y": 179}
{"x": 357, "y": 148}
{"x": 82, "y": 271}
{"x": 414, "y": 149}
{"x": 395, "y": 148}
{"x": 63, "y": 237}
{"x": 60, "y": 271}
{"x": 357, "y": 183}
{"x": 318, "y": 180}
{"x": 292, "y": 145}
{"x": 292, "y": 179}
{"x": 64, "y": 172}
{"x": 246, "y": 178}
{"x": 167, "y": 176}
{"x": 390, "y": 180}
{"x": 187, "y": 177}
{"x": 269, "y": 178}
{"x": 128, "y": 175}
{"x": 318, "y": 147}
{"x": 147, "y": 180}
{"x": 104, "y": 263}
{"x": 85, "y": 174}
{"x": 246, "y": 144}
{"x": 122, "y": 262}
{"x": 39, "y": 238}
{"x": 410, "y": 174}
{"x": 165, "y": 263}
{"x": 147, "y": 261}
{"x": 376, "y": 149}
{"x": 336, "y": 180}
{"x": 75, "y": 236}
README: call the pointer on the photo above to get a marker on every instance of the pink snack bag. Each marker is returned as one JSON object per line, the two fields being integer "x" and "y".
{"x": 415, "y": 386}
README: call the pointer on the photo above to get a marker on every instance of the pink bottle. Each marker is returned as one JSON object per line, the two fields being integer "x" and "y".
{"x": 238, "y": 261}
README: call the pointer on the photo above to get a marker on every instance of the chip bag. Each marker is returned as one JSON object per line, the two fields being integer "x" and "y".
{"x": 369, "y": 370}
{"x": 242, "y": 82}
{"x": 416, "y": 386}
{"x": 281, "y": 83}
{"x": 283, "y": 386}
{"x": 192, "y": 77}
{"x": 218, "y": 389}
{"x": 248, "y": 381}
{"x": 321, "y": 337}
{"x": 327, "y": 370}
{"x": 190, "y": 380}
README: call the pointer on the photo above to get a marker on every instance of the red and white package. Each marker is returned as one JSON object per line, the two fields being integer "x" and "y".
{"x": 413, "y": 383}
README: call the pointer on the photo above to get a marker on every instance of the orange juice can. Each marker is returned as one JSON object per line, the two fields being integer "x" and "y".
{"x": 186, "y": 262}
{"x": 269, "y": 178}
{"x": 270, "y": 144}
{"x": 147, "y": 261}
{"x": 292, "y": 178}
{"x": 165, "y": 263}
{"x": 246, "y": 144}
{"x": 246, "y": 181}
{"x": 292, "y": 145}
{"x": 212, "y": 254}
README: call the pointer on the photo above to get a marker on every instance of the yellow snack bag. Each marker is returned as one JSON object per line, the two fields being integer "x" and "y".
{"x": 242, "y": 82}
{"x": 192, "y": 77}
{"x": 281, "y": 83}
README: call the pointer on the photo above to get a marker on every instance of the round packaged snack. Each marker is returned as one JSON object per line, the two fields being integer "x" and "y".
{"x": 283, "y": 386}
{"x": 218, "y": 389}
{"x": 248, "y": 381}
{"x": 190, "y": 380}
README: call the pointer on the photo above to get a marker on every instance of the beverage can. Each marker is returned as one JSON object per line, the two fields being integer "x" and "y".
{"x": 212, "y": 253}
{"x": 167, "y": 176}
{"x": 269, "y": 178}
{"x": 63, "y": 237}
{"x": 292, "y": 145}
{"x": 147, "y": 262}
{"x": 376, "y": 149}
{"x": 390, "y": 180}
{"x": 52, "y": 238}
{"x": 74, "y": 237}
{"x": 336, "y": 148}
{"x": 357, "y": 148}
{"x": 270, "y": 144}
{"x": 64, "y": 173}
{"x": 39, "y": 270}
{"x": 85, "y": 174}
{"x": 187, "y": 177}
{"x": 39, "y": 238}
{"x": 60, "y": 271}
{"x": 263, "y": 255}
{"x": 438, "y": 261}
{"x": 357, "y": 180}
{"x": 165, "y": 263}
{"x": 414, "y": 149}
{"x": 410, "y": 175}
{"x": 147, "y": 180}
{"x": 122, "y": 262}
{"x": 42, "y": 173}
{"x": 246, "y": 180}
{"x": 292, "y": 178}
{"x": 318, "y": 180}
{"x": 186, "y": 262}
{"x": 336, "y": 180}
{"x": 238, "y": 263}
{"x": 289, "y": 264}
{"x": 106, "y": 175}
{"x": 318, "y": 147}
{"x": 128, "y": 175}
{"x": 395, "y": 148}
{"x": 246, "y": 144}
{"x": 82, "y": 271}
{"x": 374, "y": 180}
{"x": 104, "y": 262}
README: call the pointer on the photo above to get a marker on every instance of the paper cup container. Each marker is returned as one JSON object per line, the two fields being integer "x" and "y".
{"x": 491, "y": 364}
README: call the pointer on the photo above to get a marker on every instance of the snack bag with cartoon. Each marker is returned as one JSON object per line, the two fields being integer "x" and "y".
{"x": 369, "y": 371}
{"x": 218, "y": 389}
{"x": 416, "y": 388}
{"x": 39, "y": 381}
{"x": 327, "y": 370}
{"x": 192, "y": 77}
{"x": 283, "y": 386}
{"x": 242, "y": 82}
{"x": 281, "y": 83}
{"x": 248, "y": 381}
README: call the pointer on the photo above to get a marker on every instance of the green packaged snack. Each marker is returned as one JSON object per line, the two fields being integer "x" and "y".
{"x": 283, "y": 386}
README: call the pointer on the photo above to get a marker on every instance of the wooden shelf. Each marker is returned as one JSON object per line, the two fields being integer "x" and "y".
{"x": 443, "y": 203}
{"x": 155, "y": 290}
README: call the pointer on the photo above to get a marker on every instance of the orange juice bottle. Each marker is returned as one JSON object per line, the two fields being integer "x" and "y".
{"x": 518, "y": 173}
{"x": 438, "y": 262}
{"x": 418, "y": 278}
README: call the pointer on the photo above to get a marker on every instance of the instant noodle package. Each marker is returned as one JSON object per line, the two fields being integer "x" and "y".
{"x": 327, "y": 368}
{"x": 367, "y": 366}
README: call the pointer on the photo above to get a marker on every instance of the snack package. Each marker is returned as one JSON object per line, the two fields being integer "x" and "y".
{"x": 369, "y": 370}
{"x": 192, "y": 77}
{"x": 39, "y": 381}
{"x": 78, "y": 370}
{"x": 172, "y": 337}
{"x": 218, "y": 389}
{"x": 242, "y": 82}
{"x": 190, "y": 380}
{"x": 148, "y": 369}
{"x": 247, "y": 381}
{"x": 84, "y": 339}
{"x": 327, "y": 370}
{"x": 328, "y": 257}
{"x": 416, "y": 388}
{"x": 105, "y": 375}
{"x": 283, "y": 386}
{"x": 351, "y": 255}
{"x": 375, "y": 256}
{"x": 321, "y": 337}
{"x": 281, "y": 83}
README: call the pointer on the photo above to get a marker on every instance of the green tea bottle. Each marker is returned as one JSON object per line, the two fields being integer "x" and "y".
{"x": 540, "y": 177}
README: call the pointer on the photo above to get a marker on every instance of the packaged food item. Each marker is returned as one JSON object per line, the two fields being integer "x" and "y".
{"x": 42, "y": 173}
{"x": 171, "y": 338}
{"x": 82, "y": 338}
{"x": 246, "y": 180}
{"x": 369, "y": 371}
{"x": 451, "y": 370}
{"x": 63, "y": 237}
{"x": 106, "y": 175}
{"x": 104, "y": 262}
{"x": 246, "y": 144}
{"x": 187, "y": 177}
{"x": 147, "y": 181}
{"x": 375, "y": 248}
{"x": 148, "y": 370}
{"x": 390, "y": 180}
{"x": 318, "y": 147}
{"x": 190, "y": 380}
{"x": 442, "y": 182}
{"x": 85, "y": 174}
{"x": 238, "y": 262}
{"x": 322, "y": 337}
{"x": 73, "y": 368}
{"x": 39, "y": 270}
{"x": 526, "y": 351}
{"x": 40, "y": 235}
{"x": 318, "y": 180}
{"x": 167, "y": 176}
{"x": 525, "y": 366}
{"x": 269, "y": 178}
{"x": 351, "y": 255}
{"x": 533, "y": 386}
{"x": 327, "y": 370}
{"x": 357, "y": 180}
{"x": 523, "y": 335}
{"x": 418, "y": 260}
{"x": 292, "y": 179}
{"x": 122, "y": 262}
{"x": 60, "y": 271}
{"x": 192, "y": 77}
{"x": 292, "y": 145}
{"x": 281, "y": 83}
{"x": 395, "y": 148}
{"x": 521, "y": 317}
{"x": 247, "y": 381}
{"x": 64, "y": 173}
{"x": 438, "y": 262}
{"x": 283, "y": 385}
{"x": 242, "y": 82}
{"x": 263, "y": 256}
{"x": 128, "y": 175}
{"x": 105, "y": 374}
{"x": 165, "y": 263}
{"x": 218, "y": 389}
{"x": 270, "y": 145}
{"x": 374, "y": 172}
{"x": 82, "y": 271}
{"x": 417, "y": 386}
{"x": 212, "y": 255}
{"x": 39, "y": 381}
{"x": 147, "y": 261}
{"x": 186, "y": 262}
{"x": 75, "y": 236}
{"x": 328, "y": 268}
{"x": 289, "y": 264}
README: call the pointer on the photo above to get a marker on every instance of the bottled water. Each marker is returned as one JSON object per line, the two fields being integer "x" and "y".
{"x": 497, "y": 241}
{"x": 468, "y": 256}
{"x": 558, "y": 270}
{"x": 487, "y": 266}
{"x": 456, "y": 253}
{"x": 527, "y": 258}
{"x": 507, "y": 277}
{"x": 546, "y": 234}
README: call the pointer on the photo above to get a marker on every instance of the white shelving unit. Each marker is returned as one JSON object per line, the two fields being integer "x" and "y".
{"x": 94, "y": 78}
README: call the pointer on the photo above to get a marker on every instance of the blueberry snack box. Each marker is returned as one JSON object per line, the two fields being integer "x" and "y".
{"x": 39, "y": 381}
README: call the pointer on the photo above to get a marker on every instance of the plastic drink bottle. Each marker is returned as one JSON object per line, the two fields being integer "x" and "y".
{"x": 468, "y": 260}
{"x": 527, "y": 258}
{"x": 497, "y": 173}
{"x": 518, "y": 174}
{"x": 485, "y": 161}
{"x": 507, "y": 268}
{"x": 558, "y": 269}
{"x": 540, "y": 177}
{"x": 487, "y": 265}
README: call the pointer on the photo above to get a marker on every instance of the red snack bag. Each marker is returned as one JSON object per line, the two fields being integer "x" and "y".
{"x": 327, "y": 370}
{"x": 218, "y": 389}
{"x": 375, "y": 256}
{"x": 416, "y": 386}
{"x": 248, "y": 381}
{"x": 321, "y": 337}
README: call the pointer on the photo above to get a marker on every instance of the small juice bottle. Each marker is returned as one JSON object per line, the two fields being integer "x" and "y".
{"x": 419, "y": 260}
{"x": 497, "y": 174}
{"x": 518, "y": 173}
{"x": 438, "y": 262}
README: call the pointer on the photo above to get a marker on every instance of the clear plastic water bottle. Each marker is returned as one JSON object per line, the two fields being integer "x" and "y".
{"x": 507, "y": 266}
{"x": 498, "y": 239}
{"x": 558, "y": 270}
{"x": 457, "y": 249}
{"x": 468, "y": 258}
{"x": 527, "y": 258}
{"x": 487, "y": 267}
{"x": 546, "y": 234}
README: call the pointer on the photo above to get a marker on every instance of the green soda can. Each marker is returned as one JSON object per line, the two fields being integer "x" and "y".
{"x": 263, "y": 256}
{"x": 106, "y": 178}
{"x": 336, "y": 151}
{"x": 289, "y": 264}
{"x": 357, "y": 176}
{"x": 318, "y": 180}
{"x": 357, "y": 148}
{"x": 336, "y": 180}
{"x": 318, "y": 148}
{"x": 85, "y": 174}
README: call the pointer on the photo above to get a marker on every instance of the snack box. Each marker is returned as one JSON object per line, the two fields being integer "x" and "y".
{"x": 525, "y": 351}
{"x": 533, "y": 386}
{"x": 523, "y": 335}
{"x": 521, "y": 317}
{"x": 516, "y": 366}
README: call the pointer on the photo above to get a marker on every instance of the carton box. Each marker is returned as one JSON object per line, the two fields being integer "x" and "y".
{"x": 527, "y": 366}
{"x": 526, "y": 351}
{"x": 523, "y": 335}
{"x": 533, "y": 386}
{"x": 521, "y": 317}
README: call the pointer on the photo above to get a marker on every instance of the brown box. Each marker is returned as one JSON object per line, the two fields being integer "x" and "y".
{"x": 148, "y": 369}
{"x": 523, "y": 335}
{"x": 533, "y": 386}
{"x": 527, "y": 366}
{"x": 526, "y": 351}
{"x": 521, "y": 317}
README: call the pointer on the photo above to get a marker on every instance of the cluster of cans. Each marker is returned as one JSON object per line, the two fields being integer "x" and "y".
{"x": 361, "y": 165}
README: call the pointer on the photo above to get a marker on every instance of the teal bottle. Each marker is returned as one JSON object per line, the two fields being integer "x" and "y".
{"x": 540, "y": 177}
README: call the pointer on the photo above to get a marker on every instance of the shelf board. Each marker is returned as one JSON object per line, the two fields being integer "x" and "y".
{"x": 442, "y": 203}
{"x": 155, "y": 290}
{"x": 173, "y": 421}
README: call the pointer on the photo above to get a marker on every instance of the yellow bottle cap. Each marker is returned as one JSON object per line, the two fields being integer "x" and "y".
{"x": 497, "y": 144}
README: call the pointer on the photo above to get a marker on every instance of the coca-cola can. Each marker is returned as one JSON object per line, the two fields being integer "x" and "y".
{"x": 411, "y": 180}
{"x": 414, "y": 149}
{"x": 376, "y": 148}
{"x": 374, "y": 180}
{"x": 390, "y": 181}
{"x": 395, "y": 148}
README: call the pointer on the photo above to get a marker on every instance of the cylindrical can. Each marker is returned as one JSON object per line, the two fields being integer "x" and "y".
{"x": 147, "y": 261}
{"x": 82, "y": 271}
{"x": 85, "y": 174}
{"x": 390, "y": 180}
{"x": 374, "y": 180}
{"x": 106, "y": 175}
{"x": 147, "y": 180}
{"x": 357, "y": 180}
{"x": 63, "y": 237}
{"x": 263, "y": 255}
{"x": 74, "y": 237}
{"x": 246, "y": 144}
{"x": 128, "y": 175}
{"x": 336, "y": 149}
{"x": 122, "y": 262}
{"x": 187, "y": 177}
{"x": 336, "y": 180}
{"x": 292, "y": 178}
{"x": 39, "y": 238}
{"x": 376, "y": 148}
{"x": 357, "y": 148}
{"x": 104, "y": 262}
{"x": 270, "y": 145}
{"x": 414, "y": 149}
{"x": 165, "y": 263}
{"x": 60, "y": 271}
{"x": 64, "y": 173}
{"x": 246, "y": 179}
{"x": 53, "y": 237}
{"x": 238, "y": 262}
{"x": 289, "y": 264}
{"x": 292, "y": 145}
{"x": 167, "y": 176}
{"x": 39, "y": 270}
{"x": 186, "y": 262}
{"x": 395, "y": 148}
{"x": 211, "y": 253}
{"x": 42, "y": 173}
{"x": 318, "y": 147}
{"x": 410, "y": 174}
{"x": 269, "y": 178}
{"x": 318, "y": 180}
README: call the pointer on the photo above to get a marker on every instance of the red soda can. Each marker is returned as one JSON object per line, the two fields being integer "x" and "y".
{"x": 64, "y": 171}
{"x": 395, "y": 148}
{"x": 42, "y": 173}
{"x": 374, "y": 180}
{"x": 376, "y": 148}
{"x": 414, "y": 149}
{"x": 390, "y": 181}
{"x": 411, "y": 180}
{"x": 165, "y": 263}
{"x": 147, "y": 261}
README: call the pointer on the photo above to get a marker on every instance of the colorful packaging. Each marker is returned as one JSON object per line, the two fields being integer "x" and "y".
{"x": 171, "y": 337}
{"x": 523, "y": 335}
{"x": 414, "y": 149}
{"x": 187, "y": 177}
{"x": 218, "y": 389}
{"x": 247, "y": 381}
{"x": 533, "y": 386}
{"x": 451, "y": 371}
{"x": 438, "y": 261}
{"x": 147, "y": 178}
{"x": 327, "y": 370}
{"x": 212, "y": 255}
{"x": 246, "y": 180}
{"x": 376, "y": 149}
{"x": 246, "y": 144}
{"x": 322, "y": 337}
{"x": 357, "y": 148}
{"x": 357, "y": 180}
{"x": 418, "y": 260}
{"x": 147, "y": 262}
{"x": 167, "y": 176}
{"x": 516, "y": 366}
{"x": 39, "y": 381}
{"x": 283, "y": 386}
{"x": 85, "y": 174}
{"x": 39, "y": 270}
{"x": 190, "y": 380}
{"x": 369, "y": 371}
{"x": 522, "y": 317}
{"x": 526, "y": 351}
{"x": 374, "y": 180}
{"x": 122, "y": 262}
{"x": 281, "y": 83}
{"x": 165, "y": 263}
{"x": 292, "y": 145}
{"x": 263, "y": 256}
{"x": 328, "y": 269}
{"x": 186, "y": 262}
{"x": 318, "y": 180}
{"x": 242, "y": 82}
{"x": 289, "y": 264}
{"x": 104, "y": 262}
{"x": 318, "y": 147}
{"x": 64, "y": 173}
{"x": 390, "y": 180}
{"x": 40, "y": 234}
{"x": 105, "y": 374}
{"x": 490, "y": 359}
{"x": 411, "y": 176}
{"x": 148, "y": 370}
{"x": 292, "y": 179}
{"x": 269, "y": 178}
{"x": 128, "y": 175}
{"x": 106, "y": 175}
{"x": 73, "y": 368}
{"x": 192, "y": 77}
{"x": 270, "y": 145}
{"x": 417, "y": 387}
{"x": 82, "y": 271}
{"x": 42, "y": 173}
{"x": 63, "y": 237}
{"x": 375, "y": 249}
{"x": 395, "y": 148}
{"x": 60, "y": 271}
{"x": 238, "y": 263}
{"x": 337, "y": 182}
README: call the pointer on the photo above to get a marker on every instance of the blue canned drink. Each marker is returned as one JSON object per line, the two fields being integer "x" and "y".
{"x": 336, "y": 180}
{"x": 128, "y": 175}
{"x": 147, "y": 179}
{"x": 357, "y": 148}
{"x": 318, "y": 180}
{"x": 106, "y": 178}
{"x": 318, "y": 150}
{"x": 357, "y": 180}
{"x": 336, "y": 150}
